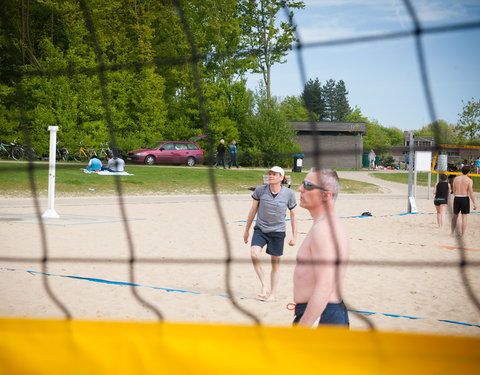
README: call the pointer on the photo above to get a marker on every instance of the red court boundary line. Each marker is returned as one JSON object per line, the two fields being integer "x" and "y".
{"x": 434, "y": 245}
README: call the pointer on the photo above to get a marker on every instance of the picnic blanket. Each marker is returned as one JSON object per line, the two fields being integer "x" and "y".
{"x": 103, "y": 173}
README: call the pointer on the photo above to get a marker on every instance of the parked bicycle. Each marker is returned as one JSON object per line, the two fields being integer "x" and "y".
{"x": 84, "y": 154}
{"x": 11, "y": 150}
{"x": 62, "y": 152}
{"x": 29, "y": 153}
{"x": 105, "y": 151}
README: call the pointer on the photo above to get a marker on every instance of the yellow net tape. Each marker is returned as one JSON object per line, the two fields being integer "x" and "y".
{"x": 86, "y": 347}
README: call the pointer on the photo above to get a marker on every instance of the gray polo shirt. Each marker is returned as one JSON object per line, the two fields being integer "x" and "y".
{"x": 272, "y": 209}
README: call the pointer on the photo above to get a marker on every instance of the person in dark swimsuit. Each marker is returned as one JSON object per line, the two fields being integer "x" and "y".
{"x": 463, "y": 191}
{"x": 441, "y": 191}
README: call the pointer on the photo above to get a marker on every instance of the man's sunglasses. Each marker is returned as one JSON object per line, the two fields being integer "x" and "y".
{"x": 310, "y": 186}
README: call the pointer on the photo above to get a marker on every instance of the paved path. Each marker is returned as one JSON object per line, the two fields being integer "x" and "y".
{"x": 388, "y": 187}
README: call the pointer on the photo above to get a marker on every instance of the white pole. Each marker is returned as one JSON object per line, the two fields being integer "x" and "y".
{"x": 429, "y": 184}
{"x": 411, "y": 157}
{"x": 50, "y": 213}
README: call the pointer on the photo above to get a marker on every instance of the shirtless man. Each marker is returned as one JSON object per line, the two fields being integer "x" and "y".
{"x": 270, "y": 203}
{"x": 463, "y": 190}
{"x": 322, "y": 257}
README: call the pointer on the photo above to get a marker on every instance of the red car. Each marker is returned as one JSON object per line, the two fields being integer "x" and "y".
{"x": 168, "y": 152}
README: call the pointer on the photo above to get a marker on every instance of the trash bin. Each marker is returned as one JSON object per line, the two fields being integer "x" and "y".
{"x": 297, "y": 162}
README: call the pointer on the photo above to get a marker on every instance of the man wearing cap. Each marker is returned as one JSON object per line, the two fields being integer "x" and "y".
{"x": 270, "y": 203}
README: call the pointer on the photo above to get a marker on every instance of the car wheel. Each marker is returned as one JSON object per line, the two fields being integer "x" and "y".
{"x": 190, "y": 161}
{"x": 149, "y": 159}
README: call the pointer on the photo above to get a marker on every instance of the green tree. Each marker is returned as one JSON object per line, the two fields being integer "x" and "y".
{"x": 395, "y": 135}
{"x": 267, "y": 136}
{"x": 378, "y": 138}
{"x": 313, "y": 98}
{"x": 293, "y": 108}
{"x": 329, "y": 99}
{"x": 469, "y": 121}
{"x": 268, "y": 38}
{"x": 340, "y": 106}
{"x": 443, "y": 132}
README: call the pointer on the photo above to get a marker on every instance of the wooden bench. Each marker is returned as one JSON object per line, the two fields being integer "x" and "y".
{"x": 288, "y": 180}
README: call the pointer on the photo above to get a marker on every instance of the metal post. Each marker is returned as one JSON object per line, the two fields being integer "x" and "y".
{"x": 50, "y": 213}
{"x": 411, "y": 158}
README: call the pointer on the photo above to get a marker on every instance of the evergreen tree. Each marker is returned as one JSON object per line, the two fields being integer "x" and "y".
{"x": 329, "y": 96}
{"x": 313, "y": 98}
{"x": 340, "y": 106}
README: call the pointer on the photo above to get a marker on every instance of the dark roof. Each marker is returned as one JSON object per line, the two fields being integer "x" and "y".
{"x": 330, "y": 126}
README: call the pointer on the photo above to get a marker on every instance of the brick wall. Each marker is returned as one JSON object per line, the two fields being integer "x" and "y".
{"x": 337, "y": 151}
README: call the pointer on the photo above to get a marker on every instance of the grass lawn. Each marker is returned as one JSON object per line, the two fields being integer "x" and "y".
{"x": 71, "y": 181}
{"x": 422, "y": 179}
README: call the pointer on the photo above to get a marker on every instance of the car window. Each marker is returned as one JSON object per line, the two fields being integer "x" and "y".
{"x": 191, "y": 146}
{"x": 168, "y": 146}
{"x": 180, "y": 146}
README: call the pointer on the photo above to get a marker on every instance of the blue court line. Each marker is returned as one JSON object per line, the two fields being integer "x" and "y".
{"x": 373, "y": 216}
{"x": 103, "y": 281}
{"x": 122, "y": 283}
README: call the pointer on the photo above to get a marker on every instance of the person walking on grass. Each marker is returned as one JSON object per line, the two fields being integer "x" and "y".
{"x": 270, "y": 203}
{"x": 233, "y": 155}
{"x": 221, "y": 154}
{"x": 463, "y": 191}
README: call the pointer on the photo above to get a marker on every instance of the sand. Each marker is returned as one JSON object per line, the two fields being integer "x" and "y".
{"x": 404, "y": 271}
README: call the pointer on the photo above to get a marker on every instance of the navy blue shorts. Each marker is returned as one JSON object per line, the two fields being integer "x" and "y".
{"x": 273, "y": 240}
{"x": 334, "y": 314}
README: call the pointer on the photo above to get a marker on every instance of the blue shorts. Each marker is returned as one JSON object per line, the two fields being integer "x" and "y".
{"x": 273, "y": 240}
{"x": 334, "y": 314}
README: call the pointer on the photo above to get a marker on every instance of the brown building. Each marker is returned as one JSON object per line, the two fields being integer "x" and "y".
{"x": 339, "y": 144}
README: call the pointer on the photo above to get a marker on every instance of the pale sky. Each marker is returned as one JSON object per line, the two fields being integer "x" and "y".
{"x": 383, "y": 77}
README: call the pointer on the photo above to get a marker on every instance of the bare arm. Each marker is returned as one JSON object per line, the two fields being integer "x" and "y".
{"x": 472, "y": 196}
{"x": 293, "y": 221}
{"x": 251, "y": 216}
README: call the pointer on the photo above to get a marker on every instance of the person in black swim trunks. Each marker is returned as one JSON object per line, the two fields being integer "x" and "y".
{"x": 322, "y": 257}
{"x": 441, "y": 192}
{"x": 463, "y": 191}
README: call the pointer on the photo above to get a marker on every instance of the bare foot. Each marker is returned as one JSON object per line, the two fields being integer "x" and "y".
{"x": 271, "y": 298}
{"x": 264, "y": 294}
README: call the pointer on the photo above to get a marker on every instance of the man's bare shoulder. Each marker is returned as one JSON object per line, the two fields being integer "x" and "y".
{"x": 327, "y": 236}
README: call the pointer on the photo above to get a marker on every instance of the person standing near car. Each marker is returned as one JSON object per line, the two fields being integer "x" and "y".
{"x": 221, "y": 154}
{"x": 270, "y": 203}
{"x": 233, "y": 155}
